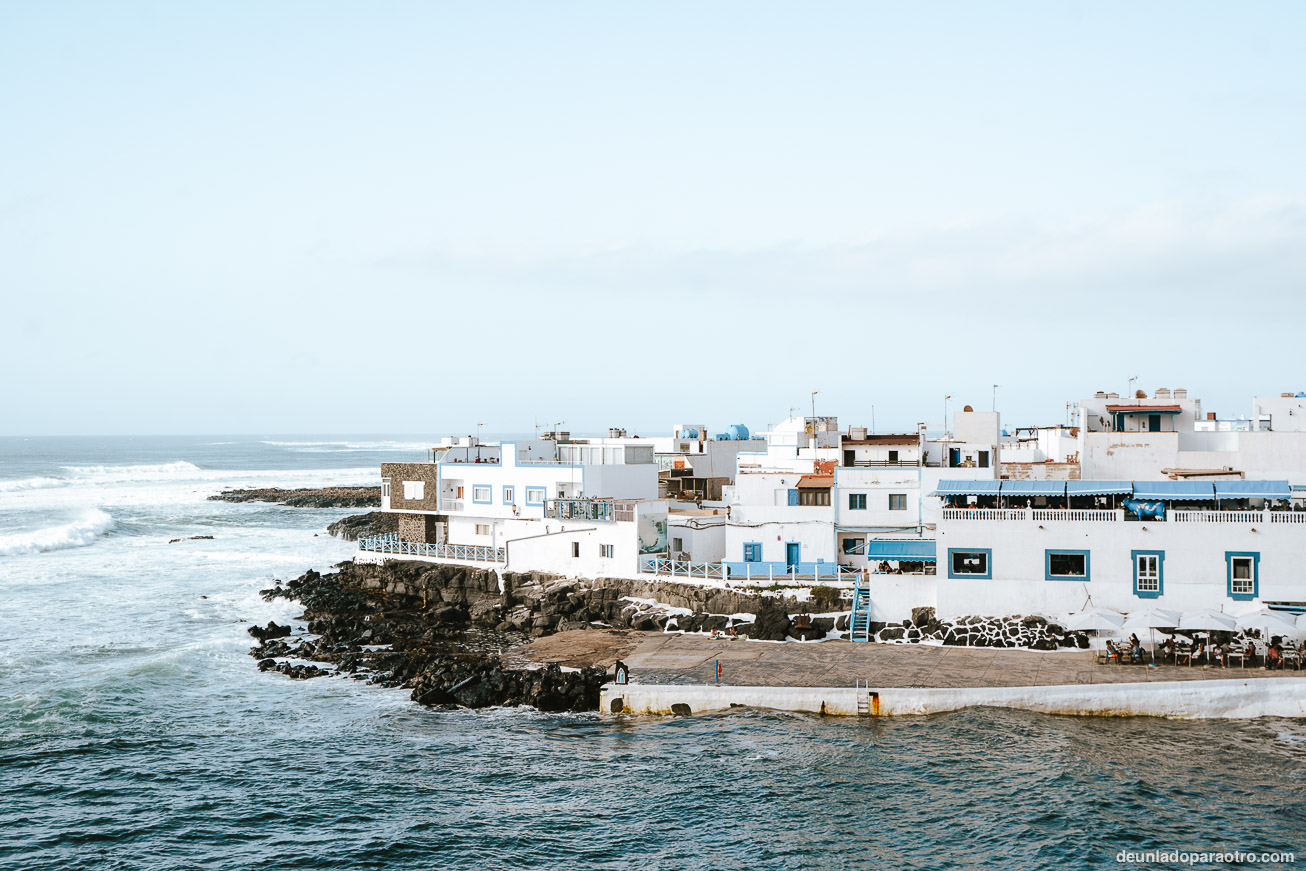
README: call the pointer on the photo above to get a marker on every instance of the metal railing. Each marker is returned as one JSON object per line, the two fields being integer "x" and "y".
{"x": 390, "y": 542}
{"x": 1217, "y": 516}
{"x": 580, "y": 509}
{"x": 451, "y": 505}
{"x": 881, "y": 464}
{"x": 1287, "y": 517}
{"x": 986, "y": 514}
{"x": 655, "y": 565}
{"x": 1089, "y": 515}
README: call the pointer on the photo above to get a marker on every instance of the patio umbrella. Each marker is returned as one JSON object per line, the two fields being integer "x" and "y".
{"x": 1152, "y": 619}
{"x": 1269, "y": 620}
{"x": 1207, "y": 620}
{"x": 1097, "y": 621}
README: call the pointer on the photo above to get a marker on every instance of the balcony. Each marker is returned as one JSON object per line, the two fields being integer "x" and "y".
{"x": 591, "y": 510}
{"x": 391, "y": 543}
{"x": 770, "y": 572}
{"x": 451, "y": 505}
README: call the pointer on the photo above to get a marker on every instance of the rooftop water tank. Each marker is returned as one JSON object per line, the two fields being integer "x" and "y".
{"x": 689, "y": 433}
{"x": 737, "y": 432}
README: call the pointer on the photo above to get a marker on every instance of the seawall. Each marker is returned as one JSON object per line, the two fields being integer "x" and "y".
{"x": 1207, "y": 699}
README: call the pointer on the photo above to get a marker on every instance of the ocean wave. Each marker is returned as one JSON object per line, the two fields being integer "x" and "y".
{"x": 178, "y": 469}
{"x": 81, "y": 532}
{"x": 350, "y": 446}
{"x": 30, "y": 484}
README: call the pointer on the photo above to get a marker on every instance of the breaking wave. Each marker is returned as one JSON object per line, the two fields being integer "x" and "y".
{"x": 179, "y": 469}
{"x": 351, "y": 446}
{"x": 29, "y": 484}
{"x": 81, "y": 532}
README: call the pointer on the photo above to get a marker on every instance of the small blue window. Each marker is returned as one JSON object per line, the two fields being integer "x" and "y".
{"x": 857, "y": 501}
{"x": 1243, "y": 569}
{"x": 970, "y": 563}
{"x": 535, "y": 495}
{"x": 753, "y": 552}
{"x": 1149, "y": 573}
{"x": 793, "y": 497}
{"x": 481, "y": 494}
{"x": 508, "y": 496}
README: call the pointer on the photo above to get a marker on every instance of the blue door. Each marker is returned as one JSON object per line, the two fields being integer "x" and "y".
{"x": 791, "y": 557}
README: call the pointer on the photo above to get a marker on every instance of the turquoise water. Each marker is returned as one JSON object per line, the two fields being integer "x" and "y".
{"x": 135, "y": 732}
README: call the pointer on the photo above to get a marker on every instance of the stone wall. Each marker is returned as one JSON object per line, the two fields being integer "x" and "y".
{"x": 398, "y": 473}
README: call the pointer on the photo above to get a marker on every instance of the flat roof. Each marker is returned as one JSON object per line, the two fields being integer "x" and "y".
{"x": 1144, "y": 409}
{"x": 886, "y": 439}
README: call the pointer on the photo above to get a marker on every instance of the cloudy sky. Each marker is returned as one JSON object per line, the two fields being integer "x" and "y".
{"x": 412, "y": 217}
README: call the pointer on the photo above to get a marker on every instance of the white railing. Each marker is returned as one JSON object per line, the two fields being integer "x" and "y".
{"x": 1217, "y": 516}
{"x": 986, "y": 514}
{"x": 1087, "y": 515}
{"x": 390, "y": 542}
{"x": 451, "y": 505}
{"x": 1288, "y": 516}
{"x": 682, "y": 568}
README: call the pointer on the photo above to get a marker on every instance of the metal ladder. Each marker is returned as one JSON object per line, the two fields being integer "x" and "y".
{"x": 859, "y": 618}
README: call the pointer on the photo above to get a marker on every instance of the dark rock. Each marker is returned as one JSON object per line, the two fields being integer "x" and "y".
{"x": 922, "y": 616}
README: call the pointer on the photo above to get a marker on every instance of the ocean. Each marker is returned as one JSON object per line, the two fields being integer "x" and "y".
{"x": 136, "y": 732}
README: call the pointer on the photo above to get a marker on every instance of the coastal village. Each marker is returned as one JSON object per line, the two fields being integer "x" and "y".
{"x": 995, "y": 566}
{"x": 1145, "y": 501}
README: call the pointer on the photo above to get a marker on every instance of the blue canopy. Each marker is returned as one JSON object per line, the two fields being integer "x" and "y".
{"x": 1173, "y": 490}
{"x": 1099, "y": 488}
{"x": 905, "y": 549}
{"x": 1252, "y": 490}
{"x": 967, "y": 488}
{"x": 1033, "y": 488}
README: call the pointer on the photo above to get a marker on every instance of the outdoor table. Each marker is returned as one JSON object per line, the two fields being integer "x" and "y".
{"x": 1240, "y": 655}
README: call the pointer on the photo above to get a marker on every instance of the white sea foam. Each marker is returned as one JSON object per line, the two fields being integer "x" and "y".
{"x": 178, "y": 469}
{"x": 79, "y": 533}
{"x": 20, "y": 484}
{"x": 350, "y": 446}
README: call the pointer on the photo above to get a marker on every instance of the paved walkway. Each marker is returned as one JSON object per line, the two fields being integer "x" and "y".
{"x": 691, "y": 659}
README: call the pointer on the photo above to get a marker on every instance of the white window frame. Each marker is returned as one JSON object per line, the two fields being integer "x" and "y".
{"x": 1149, "y": 579}
{"x": 1242, "y": 586}
{"x": 486, "y": 489}
{"x": 415, "y": 491}
{"x": 607, "y": 551}
{"x": 543, "y": 495}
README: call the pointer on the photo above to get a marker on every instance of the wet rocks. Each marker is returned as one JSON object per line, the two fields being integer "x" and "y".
{"x": 272, "y": 630}
{"x": 316, "y": 497}
{"x": 356, "y": 526}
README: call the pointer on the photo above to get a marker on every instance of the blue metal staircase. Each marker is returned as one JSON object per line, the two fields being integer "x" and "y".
{"x": 859, "y": 618}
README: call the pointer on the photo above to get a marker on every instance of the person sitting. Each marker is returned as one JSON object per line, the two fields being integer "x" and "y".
{"x": 1113, "y": 653}
{"x": 1220, "y": 652}
{"x": 1192, "y": 655}
{"x": 1274, "y": 656}
{"x": 1250, "y": 652}
{"x": 1301, "y": 654}
{"x": 1167, "y": 649}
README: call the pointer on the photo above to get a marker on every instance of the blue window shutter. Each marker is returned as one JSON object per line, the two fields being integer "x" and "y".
{"x": 793, "y": 497}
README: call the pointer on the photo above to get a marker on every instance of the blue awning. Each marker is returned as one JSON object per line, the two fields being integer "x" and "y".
{"x": 1099, "y": 488}
{"x": 1033, "y": 488}
{"x": 1252, "y": 490}
{"x": 1174, "y": 490}
{"x": 920, "y": 550}
{"x": 967, "y": 488}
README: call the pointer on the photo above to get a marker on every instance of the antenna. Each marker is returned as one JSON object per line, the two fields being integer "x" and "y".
{"x": 995, "y": 397}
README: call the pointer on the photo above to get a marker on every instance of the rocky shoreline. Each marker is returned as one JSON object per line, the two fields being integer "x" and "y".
{"x": 442, "y": 631}
{"x": 355, "y": 526}
{"x": 308, "y": 497}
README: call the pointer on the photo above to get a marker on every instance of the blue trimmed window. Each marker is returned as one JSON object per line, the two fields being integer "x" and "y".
{"x": 1065, "y": 565}
{"x": 970, "y": 562}
{"x": 482, "y": 494}
{"x": 536, "y": 495}
{"x": 856, "y": 501}
{"x": 897, "y": 501}
{"x": 793, "y": 497}
{"x": 1243, "y": 569}
{"x": 1149, "y": 573}
{"x": 752, "y": 551}
{"x": 508, "y": 493}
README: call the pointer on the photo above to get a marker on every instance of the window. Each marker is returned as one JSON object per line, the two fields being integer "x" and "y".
{"x": 481, "y": 494}
{"x": 897, "y": 501}
{"x": 606, "y": 550}
{"x": 983, "y": 459}
{"x": 1149, "y": 579}
{"x": 677, "y": 544}
{"x": 482, "y": 529}
{"x": 535, "y": 495}
{"x": 1244, "y": 570}
{"x": 853, "y": 545}
{"x": 414, "y": 490}
{"x": 809, "y": 497}
{"x": 857, "y": 501}
{"x": 753, "y": 552}
{"x": 575, "y": 549}
{"x": 508, "y": 495}
{"x": 969, "y": 563}
{"x": 893, "y": 456}
{"x": 385, "y": 488}
{"x": 1065, "y": 565}
{"x": 460, "y": 492}
{"x": 562, "y": 493}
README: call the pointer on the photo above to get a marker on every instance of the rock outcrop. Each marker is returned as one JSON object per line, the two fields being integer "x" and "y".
{"x": 320, "y": 497}
{"x": 355, "y": 526}
{"x": 1035, "y": 633}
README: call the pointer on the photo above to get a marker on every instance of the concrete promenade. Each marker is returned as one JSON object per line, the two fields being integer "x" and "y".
{"x": 672, "y": 659}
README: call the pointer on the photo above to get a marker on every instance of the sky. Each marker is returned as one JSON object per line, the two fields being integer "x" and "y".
{"x": 303, "y": 217}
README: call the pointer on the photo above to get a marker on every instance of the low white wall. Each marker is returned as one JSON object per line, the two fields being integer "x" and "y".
{"x": 1194, "y": 699}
